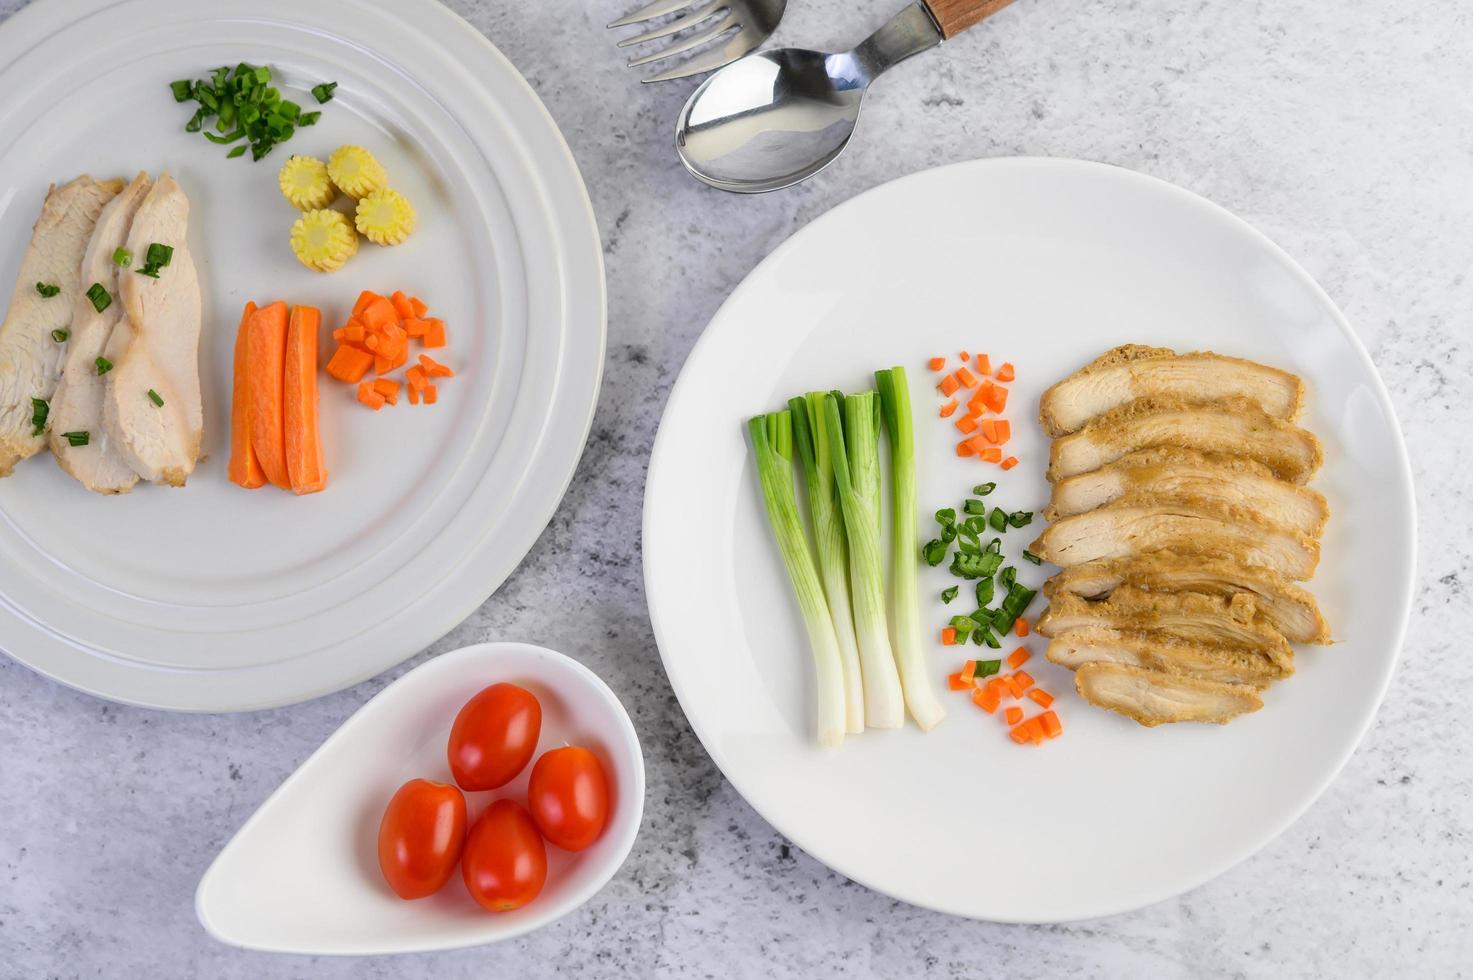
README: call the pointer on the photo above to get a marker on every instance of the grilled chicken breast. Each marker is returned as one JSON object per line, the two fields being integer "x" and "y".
{"x": 1135, "y": 371}
{"x": 1233, "y": 482}
{"x": 77, "y": 404}
{"x": 1138, "y": 524}
{"x": 1291, "y": 610}
{"x": 155, "y": 348}
{"x": 1155, "y": 698}
{"x": 30, "y": 360}
{"x": 1230, "y": 426}
{"x": 1229, "y": 622}
{"x": 1165, "y": 652}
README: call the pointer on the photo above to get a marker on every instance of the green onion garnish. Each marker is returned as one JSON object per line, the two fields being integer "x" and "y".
{"x": 103, "y": 366}
{"x": 946, "y": 517}
{"x": 308, "y": 118}
{"x": 40, "y": 408}
{"x": 1030, "y": 556}
{"x": 159, "y": 254}
{"x": 183, "y": 90}
{"x": 986, "y": 668}
{"x": 1007, "y": 577}
{"x": 984, "y": 591}
{"x": 983, "y": 489}
{"x": 998, "y": 519}
{"x": 60, "y": 336}
{"x": 243, "y": 106}
{"x": 47, "y": 290}
{"x": 122, "y": 257}
{"x": 1020, "y": 518}
{"x": 77, "y": 438}
{"x": 235, "y": 152}
{"x": 949, "y": 593}
{"x": 935, "y": 552}
{"x": 948, "y": 533}
{"x": 973, "y": 506}
{"x": 98, "y": 294}
{"x": 153, "y": 396}
{"x": 323, "y": 93}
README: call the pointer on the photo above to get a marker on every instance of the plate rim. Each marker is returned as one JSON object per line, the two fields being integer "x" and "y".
{"x": 1189, "y": 198}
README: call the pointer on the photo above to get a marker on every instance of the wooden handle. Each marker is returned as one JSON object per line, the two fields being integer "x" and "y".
{"x": 955, "y": 16}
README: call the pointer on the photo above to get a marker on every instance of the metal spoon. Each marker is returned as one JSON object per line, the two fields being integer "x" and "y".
{"x": 776, "y": 117}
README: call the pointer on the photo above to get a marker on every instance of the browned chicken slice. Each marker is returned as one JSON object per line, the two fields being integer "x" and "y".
{"x": 1230, "y": 426}
{"x": 1162, "y": 651}
{"x": 1291, "y": 610}
{"x": 1155, "y": 698}
{"x": 1229, "y": 622}
{"x": 1238, "y": 484}
{"x": 1136, "y": 371}
{"x": 1138, "y": 524}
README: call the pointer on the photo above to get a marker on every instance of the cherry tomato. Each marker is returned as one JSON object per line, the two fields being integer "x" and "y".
{"x": 494, "y": 736}
{"x": 420, "y": 837}
{"x": 505, "y": 861}
{"x": 569, "y": 797}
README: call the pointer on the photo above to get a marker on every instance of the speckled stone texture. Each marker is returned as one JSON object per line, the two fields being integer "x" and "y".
{"x": 1343, "y": 130}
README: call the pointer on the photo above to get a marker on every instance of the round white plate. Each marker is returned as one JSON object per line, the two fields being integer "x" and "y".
{"x": 1045, "y": 263}
{"x": 212, "y": 598}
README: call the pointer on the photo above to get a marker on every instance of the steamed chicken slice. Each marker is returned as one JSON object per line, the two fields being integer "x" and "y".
{"x": 1290, "y": 609}
{"x": 1139, "y": 524}
{"x": 1233, "y": 482}
{"x": 1230, "y": 426}
{"x": 1152, "y": 650}
{"x": 77, "y": 404}
{"x": 152, "y": 407}
{"x": 1136, "y": 371}
{"x": 1155, "y": 698}
{"x": 30, "y": 360}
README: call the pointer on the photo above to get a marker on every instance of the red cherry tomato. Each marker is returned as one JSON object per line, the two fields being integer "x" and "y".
{"x": 494, "y": 736}
{"x": 569, "y": 797}
{"x": 420, "y": 837}
{"x": 505, "y": 862}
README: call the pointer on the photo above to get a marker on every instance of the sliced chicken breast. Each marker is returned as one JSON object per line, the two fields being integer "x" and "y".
{"x": 1291, "y": 610}
{"x": 1136, "y": 371}
{"x": 1228, "y": 622}
{"x": 77, "y": 404}
{"x": 1155, "y": 698}
{"x": 151, "y": 408}
{"x": 1164, "y": 652}
{"x": 1230, "y": 426}
{"x": 1233, "y": 482}
{"x": 30, "y": 360}
{"x": 1139, "y": 524}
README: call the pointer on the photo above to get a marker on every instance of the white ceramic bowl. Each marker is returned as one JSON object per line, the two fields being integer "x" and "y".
{"x": 301, "y": 876}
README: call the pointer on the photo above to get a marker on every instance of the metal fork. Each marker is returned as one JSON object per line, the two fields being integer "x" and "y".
{"x": 740, "y": 24}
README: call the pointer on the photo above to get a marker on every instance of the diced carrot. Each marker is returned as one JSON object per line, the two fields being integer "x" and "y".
{"x": 348, "y": 364}
{"x": 984, "y": 364}
{"x": 402, "y": 306}
{"x": 413, "y": 394}
{"x": 948, "y": 636}
{"x": 382, "y": 364}
{"x": 965, "y": 357}
{"x": 435, "y": 334}
{"x": 965, "y": 448}
{"x": 1020, "y": 733}
{"x": 936, "y": 363}
{"x": 417, "y": 378}
{"x": 989, "y": 430}
{"x": 948, "y": 408}
{"x": 416, "y": 327}
{"x": 965, "y": 378}
{"x": 1042, "y": 697}
{"x": 984, "y": 699}
{"x": 418, "y": 305}
{"x": 1013, "y": 715}
{"x": 949, "y": 385}
{"x": 340, "y": 334}
{"x": 353, "y": 332}
{"x": 389, "y": 389}
{"x": 266, "y": 359}
{"x": 955, "y": 682}
{"x": 364, "y": 298}
{"x": 996, "y": 399}
{"x": 990, "y": 455}
{"x": 1050, "y": 724}
{"x": 434, "y": 368}
{"x": 1017, "y": 658}
{"x": 1010, "y": 462}
{"x": 969, "y": 670}
{"x": 432, "y": 394}
{"x": 244, "y": 469}
{"x": 304, "y": 463}
{"x": 369, "y": 396}
{"x": 1005, "y": 371}
{"x": 378, "y": 314}
{"x": 966, "y": 425}
{"x": 374, "y": 343}
{"x": 1004, "y": 430}
{"x": 1023, "y": 680}
{"x": 1021, "y": 626}
{"x": 1014, "y": 688}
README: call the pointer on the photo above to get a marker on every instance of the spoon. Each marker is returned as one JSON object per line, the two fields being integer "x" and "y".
{"x": 771, "y": 119}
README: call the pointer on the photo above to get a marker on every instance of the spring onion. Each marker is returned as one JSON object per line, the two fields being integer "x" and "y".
{"x": 98, "y": 294}
{"x": 998, "y": 519}
{"x": 949, "y": 593}
{"x": 245, "y": 107}
{"x": 772, "y": 448}
{"x": 853, "y": 439}
{"x": 40, "y": 408}
{"x": 154, "y": 397}
{"x": 1030, "y": 556}
{"x": 47, "y": 290}
{"x": 974, "y": 506}
{"x": 323, "y": 93}
{"x": 935, "y": 552}
{"x": 122, "y": 257}
{"x": 986, "y": 668}
{"x": 810, "y": 438}
{"x": 60, "y": 336}
{"x": 984, "y": 592}
{"x": 77, "y": 438}
{"x": 1020, "y": 518}
{"x": 103, "y": 366}
{"x": 983, "y": 489}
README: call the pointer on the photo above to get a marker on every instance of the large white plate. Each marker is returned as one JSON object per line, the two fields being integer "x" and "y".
{"x": 212, "y": 598}
{"x": 1045, "y": 263}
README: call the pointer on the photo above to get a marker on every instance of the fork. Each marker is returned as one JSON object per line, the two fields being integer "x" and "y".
{"x": 740, "y": 25}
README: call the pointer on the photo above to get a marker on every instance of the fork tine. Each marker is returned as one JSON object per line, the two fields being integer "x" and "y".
{"x": 678, "y": 25}
{"x": 658, "y": 8}
{"x": 745, "y": 41}
{"x": 695, "y": 40}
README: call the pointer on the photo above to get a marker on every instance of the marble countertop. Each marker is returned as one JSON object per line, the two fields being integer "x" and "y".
{"x": 1342, "y": 130}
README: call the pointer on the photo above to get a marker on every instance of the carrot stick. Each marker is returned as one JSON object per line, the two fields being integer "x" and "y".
{"x": 244, "y": 469}
{"x": 266, "y": 361}
{"x": 304, "y": 465}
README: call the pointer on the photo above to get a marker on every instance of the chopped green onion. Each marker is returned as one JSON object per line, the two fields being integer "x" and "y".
{"x": 60, "y": 335}
{"x": 308, "y": 118}
{"x": 986, "y": 668}
{"x": 225, "y": 138}
{"x": 1030, "y": 556}
{"x": 946, "y": 516}
{"x": 979, "y": 636}
{"x": 153, "y": 396}
{"x": 235, "y": 152}
{"x": 949, "y": 593}
{"x": 152, "y": 271}
{"x": 976, "y": 524}
{"x": 984, "y": 591}
{"x": 983, "y": 489}
{"x": 948, "y": 533}
{"x": 98, "y": 294}
{"x": 935, "y": 553}
{"x": 103, "y": 366}
{"x": 963, "y": 626}
{"x": 40, "y": 408}
{"x": 77, "y": 438}
{"x": 998, "y": 519}
{"x": 159, "y": 254}
{"x": 981, "y": 617}
{"x": 995, "y": 546}
{"x": 1020, "y": 518}
{"x": 47, "y": 290}
{"x": 323, "y": 93}
{"x": 973, "y": 506}
{"x": 183, "y": 90}
{"x": 122, "y": 257}
{"x": 1007, "y": 577}
{"x": 991, "y": 640}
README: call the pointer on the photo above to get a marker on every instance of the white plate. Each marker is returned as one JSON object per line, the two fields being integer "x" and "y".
{"x": 1045, "y": 263}
{"x": 301, "y": 875}
{"x": 212, "y": 598}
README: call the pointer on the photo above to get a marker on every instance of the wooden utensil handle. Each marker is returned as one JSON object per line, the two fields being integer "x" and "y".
{"x": 955, "y": 16}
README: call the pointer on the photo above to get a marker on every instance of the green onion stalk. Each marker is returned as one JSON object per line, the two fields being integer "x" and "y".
{"x": 811, "y": 438}
{"x": 854, "y": 446}
{"x": 772, "y": 449}
{"x": 915, "y": 674}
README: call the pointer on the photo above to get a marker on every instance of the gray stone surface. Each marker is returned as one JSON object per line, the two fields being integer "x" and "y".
{"x": 1342, "y": 130}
